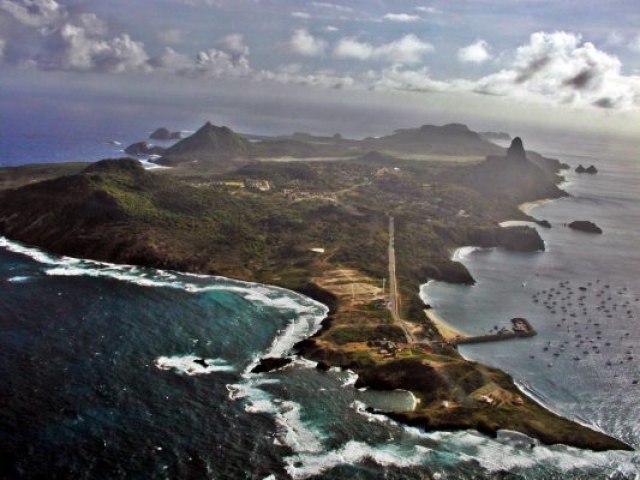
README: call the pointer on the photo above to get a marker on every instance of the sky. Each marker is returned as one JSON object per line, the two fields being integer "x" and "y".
{"x": 366, "y": 67}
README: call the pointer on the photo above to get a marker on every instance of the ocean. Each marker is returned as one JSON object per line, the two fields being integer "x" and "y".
{"x": 113, "y": 371}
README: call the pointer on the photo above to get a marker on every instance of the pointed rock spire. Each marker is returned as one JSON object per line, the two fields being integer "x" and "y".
{"x": 516, "y": 150}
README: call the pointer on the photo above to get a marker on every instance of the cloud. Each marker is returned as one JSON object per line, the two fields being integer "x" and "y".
{"x": 397, "y": 78}
{"x": 79, "y": 50}
{"x": 406, "y": 50}
{"x": 35, "y": 13}
{"x": 234, "y": 44}
{"x": 350, "y": 48}
{"x": 172, "y": 36}
{"x": 401, "y": 17}
{"x": 217, "y": 63}
{"x": 560, "y": 68}
{"x": 303, "y": 43}
{"x": 46, "y": 35}
{"x": 174, "y": 62}
{"x": 294, "y": 74}
{"x": 556, "y": 68}
{"x": 212, "y": 63}
{"x": 431, "y": 10}
{"x": 332, "y": 6}
{"x": 229, "y": 60}
{"x": 391, "y": 78}
{"x": 59, "y": 39}
{"x": 303, "y": 15}
{"x": 477, "y": 52}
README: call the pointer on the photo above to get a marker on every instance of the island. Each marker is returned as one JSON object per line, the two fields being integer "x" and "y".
{"x": 143, "y": 148}
{"x": 163, "y": 133}
{"x": 358, "y": 225}
{"x": 585, "y": 226}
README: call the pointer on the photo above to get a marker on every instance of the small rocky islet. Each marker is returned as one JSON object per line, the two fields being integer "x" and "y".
{"x": 592, "y": 170}
{"x": 585, "y": 226}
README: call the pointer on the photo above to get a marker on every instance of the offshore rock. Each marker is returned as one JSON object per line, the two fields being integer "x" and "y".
{"x": 585, "y": 226}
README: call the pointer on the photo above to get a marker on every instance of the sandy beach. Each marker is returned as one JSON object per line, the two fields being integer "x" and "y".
{"x": 528, "y": 206}
{"x": 447, "y": 331}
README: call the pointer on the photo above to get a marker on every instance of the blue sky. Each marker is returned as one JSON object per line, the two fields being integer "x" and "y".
{"x": 576, "y": 58}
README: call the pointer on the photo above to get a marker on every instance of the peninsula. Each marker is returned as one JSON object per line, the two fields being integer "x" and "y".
{"x": 356, "y": 224}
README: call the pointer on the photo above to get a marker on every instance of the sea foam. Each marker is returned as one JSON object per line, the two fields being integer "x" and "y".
{"x": 188, "y": 364}
{"x": 307, "y": 465}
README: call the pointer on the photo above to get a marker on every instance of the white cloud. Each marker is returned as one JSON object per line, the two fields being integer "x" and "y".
{"x": 477, "y": 52}
{"x": 406, "y": 50}
{"x": 293, "y": 74}
{"x": 216, "y": 63}
{"x": 213, "y": 63}
{"x": 171, "y": 36}
{"x": 401, "y": 17}
{"x": 80, "y": 51}
{"x": 229, "y": 60}
{"x": 234, "y": 44}
{"x": 303, "y": 43}
{"x": 353, "y": 49}
{"x": 64, "y": 40}
{"x": 35, "y": 13}
{"x": 431, "y": 10}
{"x": 559, "y": 67}
{"x": 303, "y": 15}
{"x": 396, "y": 78}
{"x": 173, "y": 62}
{"x": 332, "y": 6}
{"x": 556, "y": 68}
{"x": 67, "y": 41}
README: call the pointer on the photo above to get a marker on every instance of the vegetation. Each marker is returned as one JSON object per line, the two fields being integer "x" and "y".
{"x": 320, "y": 228}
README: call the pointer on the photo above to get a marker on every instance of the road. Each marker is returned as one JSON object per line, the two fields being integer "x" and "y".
{"x": 394, "y": 296}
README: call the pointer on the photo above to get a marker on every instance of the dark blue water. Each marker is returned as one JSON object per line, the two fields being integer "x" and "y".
{"x": 82, "y": 395}
{"x": 42, "y": 128}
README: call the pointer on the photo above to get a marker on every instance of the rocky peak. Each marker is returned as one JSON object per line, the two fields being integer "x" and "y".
{"x": 516, "y": 150}
{"x": 210, "y": 139}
